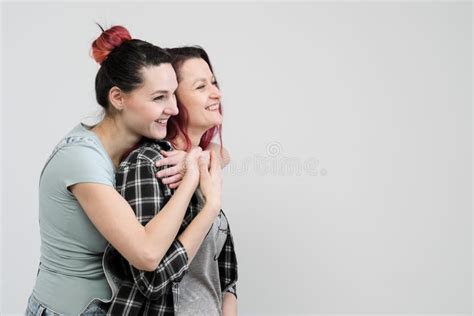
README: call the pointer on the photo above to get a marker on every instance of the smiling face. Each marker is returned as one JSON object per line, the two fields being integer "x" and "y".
{"x": 147, "y": 109}
{"x": 199, "y": 95}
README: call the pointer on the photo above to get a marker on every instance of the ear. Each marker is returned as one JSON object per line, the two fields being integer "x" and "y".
{"x": 116, "y": 98}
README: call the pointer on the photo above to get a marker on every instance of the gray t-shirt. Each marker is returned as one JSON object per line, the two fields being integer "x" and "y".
{"x": 70, "y": 274}
{"x": 200, "y": 289}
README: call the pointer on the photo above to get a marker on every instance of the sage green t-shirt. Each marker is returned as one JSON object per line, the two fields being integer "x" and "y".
{"x": 70, "y": 273}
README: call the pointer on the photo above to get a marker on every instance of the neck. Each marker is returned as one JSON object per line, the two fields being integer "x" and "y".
{"x": 115, "y": 138}
{"x": 194, "y": 135}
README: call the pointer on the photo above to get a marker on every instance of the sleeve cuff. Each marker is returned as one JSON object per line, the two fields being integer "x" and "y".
{"x": 176, "y": 261}
{"x": 233, "y": 290}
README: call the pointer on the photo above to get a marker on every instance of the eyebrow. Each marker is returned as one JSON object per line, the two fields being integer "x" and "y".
{"x": 160, "y": 91}
{"x": 204, "y": 79}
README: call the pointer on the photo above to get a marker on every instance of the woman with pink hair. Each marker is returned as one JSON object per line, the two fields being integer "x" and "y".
{"x": 204, "y": 281}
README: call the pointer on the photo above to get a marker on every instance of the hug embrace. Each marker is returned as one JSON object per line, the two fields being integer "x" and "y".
{"x": 130, "y": 208}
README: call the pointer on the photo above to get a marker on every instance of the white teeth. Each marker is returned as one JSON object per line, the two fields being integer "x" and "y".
{"x": 162, "y": 121}
{"x": 212, "y": 107}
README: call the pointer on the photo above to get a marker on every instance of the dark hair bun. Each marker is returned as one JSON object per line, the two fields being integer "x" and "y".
{"x": 107, "y": 41}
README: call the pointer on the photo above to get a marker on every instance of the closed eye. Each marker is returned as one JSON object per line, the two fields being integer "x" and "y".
{"x": 203, "y": 86}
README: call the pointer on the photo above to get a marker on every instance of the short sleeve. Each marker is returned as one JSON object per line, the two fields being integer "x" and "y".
{"x": 82, "y": 162}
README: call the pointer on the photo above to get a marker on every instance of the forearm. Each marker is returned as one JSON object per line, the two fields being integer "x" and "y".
{"x": 229, "y": 305}
{"x": 163, "y": 228}
{"x": 194, "y": 234}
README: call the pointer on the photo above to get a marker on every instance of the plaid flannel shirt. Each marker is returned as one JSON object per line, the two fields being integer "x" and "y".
{"x": 137, "y": 292}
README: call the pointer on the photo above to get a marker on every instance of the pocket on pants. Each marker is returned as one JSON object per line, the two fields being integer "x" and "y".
{"x": 35, "y": 308}
{"x": 94, "y": 308}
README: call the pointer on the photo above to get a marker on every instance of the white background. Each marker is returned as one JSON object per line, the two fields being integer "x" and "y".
{"x": 349, "y": 126}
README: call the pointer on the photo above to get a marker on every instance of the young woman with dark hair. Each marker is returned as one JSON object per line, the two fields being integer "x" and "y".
{"x": 80, "y": 211}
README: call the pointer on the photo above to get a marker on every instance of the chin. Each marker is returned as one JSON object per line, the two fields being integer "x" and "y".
{"x": 211, "y": 125}
{"x": 216, "y": 121}
{"x": 157, "y": 135}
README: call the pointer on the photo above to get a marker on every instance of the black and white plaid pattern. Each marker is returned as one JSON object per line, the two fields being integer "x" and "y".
{"x": 137, "y": 292}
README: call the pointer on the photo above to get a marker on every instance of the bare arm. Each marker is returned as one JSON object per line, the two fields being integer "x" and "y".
{"x": 142, "y": 246}
{"x": 211, "y": 186}
{"x": 194, "y": 234}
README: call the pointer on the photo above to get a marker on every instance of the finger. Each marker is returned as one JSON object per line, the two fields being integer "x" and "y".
{"x": 214, "y": 162}
{"x": 168, "y": 172}
{"x": 206, "y": 158}
{"x": 170, "y": 161}
{"x": 195, "y": 150}
{"x": 203, "y": 165}
{"x": 175, "y": 185}
{"x": 169, "y": 153}
{"x": 162, "y": 162}
{"x": 172, "y": 179}
{"x": 193, "y": 155}
{"x": 205, "y": 155}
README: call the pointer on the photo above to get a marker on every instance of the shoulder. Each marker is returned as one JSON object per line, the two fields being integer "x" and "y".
{"x": 80, "y": 141}
{"x": 138, "y": 169}
{"x": 147, "y": 153}
{"x": 78, "y": 153}
{"x": 82, "y": 149}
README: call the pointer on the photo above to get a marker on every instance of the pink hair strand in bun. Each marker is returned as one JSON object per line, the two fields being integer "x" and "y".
{"x": 107, "y": 41}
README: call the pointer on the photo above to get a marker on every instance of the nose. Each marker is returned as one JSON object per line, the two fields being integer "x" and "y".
{"x": 216, "y": 93}
{"x": 172, "y": 107}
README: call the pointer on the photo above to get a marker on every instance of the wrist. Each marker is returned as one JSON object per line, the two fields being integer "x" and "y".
{"x": 213, "y": 205}
{"x": 191, "y": 178}
{"x": 189, "y": 183}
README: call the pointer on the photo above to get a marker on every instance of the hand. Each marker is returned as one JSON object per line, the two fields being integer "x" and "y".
{"x": 210, "y": 179}
{"x": 174, "y": 174}
{"x": 229, "y": 305}
{"x": 185, "y": 168}
{"x": 223, "y": 155}
{"x": 191, "y": 165}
